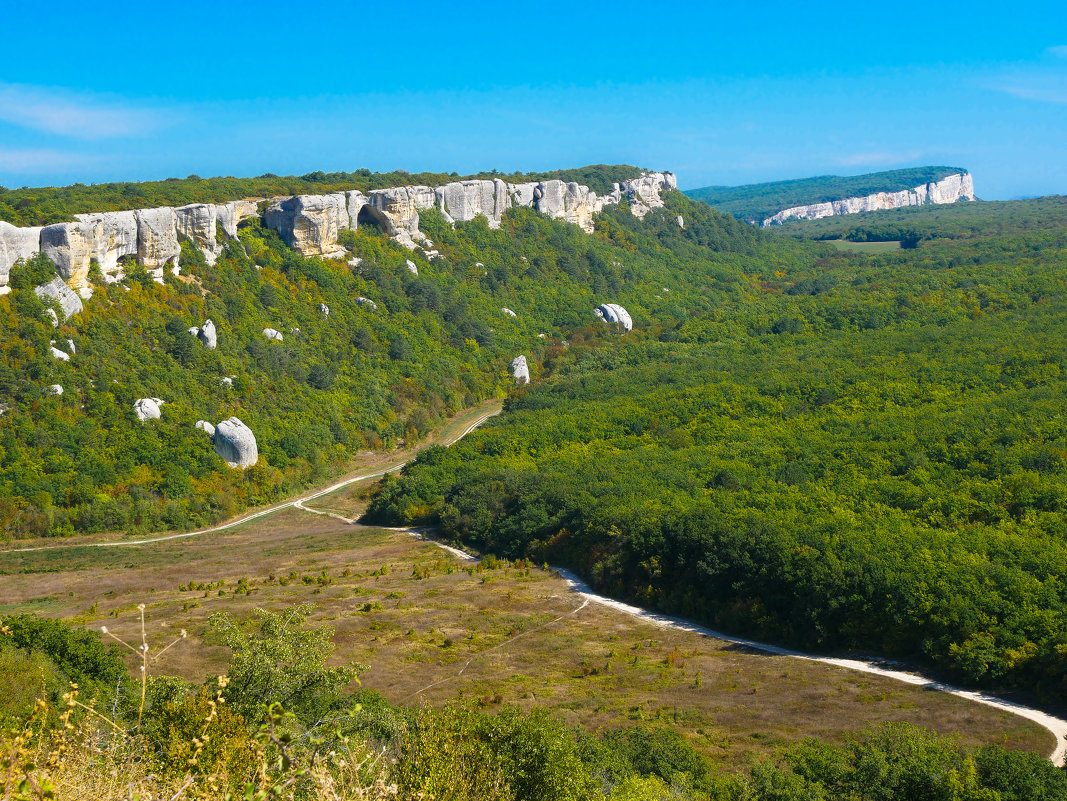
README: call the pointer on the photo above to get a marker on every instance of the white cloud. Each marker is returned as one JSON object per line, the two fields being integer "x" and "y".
{"x": 1043, "y": 92}
{"x": 16, "y": 160}
{"x": 1058, "y": 50}
{"x": 883, "y": 157}
{"x": 80, "y": 116}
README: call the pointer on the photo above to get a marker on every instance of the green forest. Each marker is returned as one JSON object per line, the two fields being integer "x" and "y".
{"x": 757, "y": 202}
{"x": 867, "y": 455}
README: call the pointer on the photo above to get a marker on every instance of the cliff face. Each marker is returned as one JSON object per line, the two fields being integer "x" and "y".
{"x": 950, "y": 189}
{"x": 307, "y": 223}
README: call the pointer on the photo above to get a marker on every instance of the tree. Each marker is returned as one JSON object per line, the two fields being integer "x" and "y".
{"x": 280, "y": 662}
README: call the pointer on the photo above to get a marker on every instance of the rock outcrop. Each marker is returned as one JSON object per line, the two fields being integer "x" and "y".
{"x": 273, "y": 334}
{"x": 55, "y": 389}
{"x": 508, "y": 311}
{"x": 57, "y": 290}
{"x": 310, "y": 223}
{"x": 520, "y": 370}
{"x": 208, "y": 335}
{"x": 15, "y": 243}
{"x": 206, "y": 427}
{"x": 951, "y": 189}
{"x": 370, "y": 304}
{"x": 614, "y": 313}
{"x": 236, "y": 444}
{"x": 147, "y": 409}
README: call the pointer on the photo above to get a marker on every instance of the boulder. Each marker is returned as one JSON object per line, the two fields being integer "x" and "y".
{"x": 236, "y": 444}
{"x": 397, "y": 209}
{"x": 147, "y": 408}
{"x": 204, "y": 425}
{"x": 370, "y": 304}
{"x": 324, "y": 310}
{"x": 58, "y": 354}
{"x": 614, "y": 313}
{"x": 411, "y": 267}
{"x": 55, "y": 389}
{"x": 681, "y": 221}
{"x": 16, "y": 243}
{"x": 273, "y": 334}
{"x": 208, "y": 335}
{"x": 57, "y": 290}
{"x": 520, "y": 370}
{"x": 157, "y": 239}
{"x": 508, "y": 311}
{"x": 310, "y": 223}
{"x": 226, "y": 381}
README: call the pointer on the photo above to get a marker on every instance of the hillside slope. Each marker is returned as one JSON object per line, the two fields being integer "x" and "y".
{"x": 757, "y": 202}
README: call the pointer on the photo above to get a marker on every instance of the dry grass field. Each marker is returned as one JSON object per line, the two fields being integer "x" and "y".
{"x": 433, "y": 628}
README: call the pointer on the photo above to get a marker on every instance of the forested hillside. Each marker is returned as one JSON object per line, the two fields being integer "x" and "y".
{"x": 866, "y": 454}
{"x": 368, "y": 375}
{"x": 756, "y": 202}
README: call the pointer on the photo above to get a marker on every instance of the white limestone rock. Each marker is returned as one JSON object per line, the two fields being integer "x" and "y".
{"x": 614, "y": 313}
{"x": 226, "y": 381}
{"x": 644, "y": 191}
{"x": 324, "y": 310}
{"x": 113, "y": 236}
{"x": 157, "y": 240}
{"x": 310, "y": 223}
{"x": 147, "y": 409}
{"x": 58, "y": 354}
{"x": 411, "y": 267}
{"x": 508, "y": 311}
{"x": 232, "y": 214}
{"x": 71, "y": 247}
{"x": 681, "y": 221}
{"x": 70, "y": 347}
{"x": 396, "y": 210}
{"x": 57, "y": 290}
{"x": 208, "y": 335}
{"x": 370, "y": 304}
{"x": 50, "y": 313}
{"x": 16, "y": 243}
{"x": 950, "y": 189}
{"x": 204, "y": 425}
{"x": 196, "y": 222}
{"x": 236, "y": 444}
{"x": 461, "y": 201}
{"x": 520, "y": 370}
{"x": 55, "y": 389}
{"x": 273, "y": 334}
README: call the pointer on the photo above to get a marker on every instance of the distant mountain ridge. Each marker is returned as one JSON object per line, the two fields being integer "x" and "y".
{"x": 758, "y": 203}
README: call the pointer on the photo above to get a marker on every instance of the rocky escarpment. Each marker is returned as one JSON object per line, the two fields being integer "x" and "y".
{"x": 950, "y": 189}
{"x": 307, "y": 223}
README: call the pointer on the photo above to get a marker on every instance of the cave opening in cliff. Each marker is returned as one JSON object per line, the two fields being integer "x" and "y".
{"x": 370, "y": 220}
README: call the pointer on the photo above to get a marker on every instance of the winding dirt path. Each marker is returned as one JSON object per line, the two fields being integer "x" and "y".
{"x": 297, "y": 503}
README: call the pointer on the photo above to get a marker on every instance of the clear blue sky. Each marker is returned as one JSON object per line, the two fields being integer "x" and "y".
{"x": 720, "y": 93}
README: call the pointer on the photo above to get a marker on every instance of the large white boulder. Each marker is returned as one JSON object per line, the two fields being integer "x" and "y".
{"x": 147, "y": 408}
{"x": 614, "y": 313}
{"x": 55, "y": 389}
{"x": 236, "y": 444}
{"x": 208, "y": 335}
{"x": 57, "y": 290}
{"x": 205, "y": 426}
{"x": 520, "y": 370}
{"x": 273, "y": 334}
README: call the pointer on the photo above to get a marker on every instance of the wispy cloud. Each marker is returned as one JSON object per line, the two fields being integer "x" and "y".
{"x": 80, "y": 116}
{"x": 42, "y": 160}
{"x": 1060, "y": 51}
{"x": 1047, "y": 93}
{"x": 882, "y": 157}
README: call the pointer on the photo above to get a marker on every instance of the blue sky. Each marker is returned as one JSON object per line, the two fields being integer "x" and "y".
{"x": 719, "y": 93}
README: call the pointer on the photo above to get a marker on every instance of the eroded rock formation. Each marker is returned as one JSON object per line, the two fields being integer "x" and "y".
{"x": 951, "y": 189}
{"x": 147, "y": 409}
{"x": 520, "y": 370}
{"x": 310, "y": 223}
{"x": 57, "y": 290}
{"x": 614, "y": 313}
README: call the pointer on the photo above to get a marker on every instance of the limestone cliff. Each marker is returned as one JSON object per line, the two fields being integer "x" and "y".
{"x": 950, "y": 189}
{"x": 307, "y": 223}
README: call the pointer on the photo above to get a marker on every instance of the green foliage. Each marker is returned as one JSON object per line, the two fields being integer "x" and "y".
{"x": 757, "y": 202}
{"x": 79, "y": 655}
{"x": 278, "y": 662}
